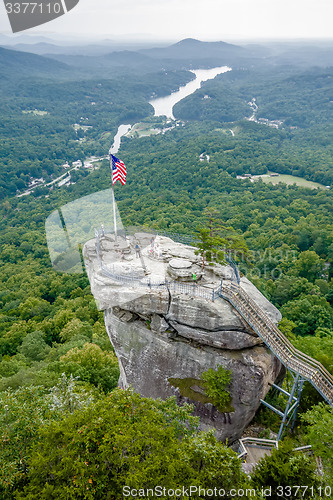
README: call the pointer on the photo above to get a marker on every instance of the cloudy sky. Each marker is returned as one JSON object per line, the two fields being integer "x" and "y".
{"x": 204, "y": 19}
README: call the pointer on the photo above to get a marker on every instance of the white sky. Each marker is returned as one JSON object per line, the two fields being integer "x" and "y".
{"x": 203, "y": 19}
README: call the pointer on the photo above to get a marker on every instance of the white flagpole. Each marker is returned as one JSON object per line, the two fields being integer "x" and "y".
{"x": 113, "y": 204}
{"x": 114, "y": 217}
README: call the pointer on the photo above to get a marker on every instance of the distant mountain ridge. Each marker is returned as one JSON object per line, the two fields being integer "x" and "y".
{"x": 181, "y": 55}
{"x": 46, "y": 49}
{"x": 14, "y": 62}
{"x": 185, "y": 54}
{"x": 74, "y": 62}
{"x": 109, "y": 64}
{"x": 190, "y": 47}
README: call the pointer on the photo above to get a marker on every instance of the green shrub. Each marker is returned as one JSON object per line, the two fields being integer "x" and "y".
{"x": 217, "y": 381}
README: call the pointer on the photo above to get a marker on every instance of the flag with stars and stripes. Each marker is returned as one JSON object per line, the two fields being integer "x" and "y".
{"x": 118, "y": 170}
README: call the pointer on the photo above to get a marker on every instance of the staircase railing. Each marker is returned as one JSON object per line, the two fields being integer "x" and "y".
{"x": 257, "y": 319}
{"x": 292, "y": 358}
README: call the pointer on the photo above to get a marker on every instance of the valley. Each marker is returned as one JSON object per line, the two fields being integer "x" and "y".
{"x": 189, "y": 177}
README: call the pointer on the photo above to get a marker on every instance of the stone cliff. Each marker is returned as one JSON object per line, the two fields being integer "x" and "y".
{"x": 166, "y": 335}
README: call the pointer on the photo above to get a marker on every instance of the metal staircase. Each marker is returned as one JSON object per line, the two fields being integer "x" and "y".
{"x": 294, "y": 360}
{"x": 301, "y": 366}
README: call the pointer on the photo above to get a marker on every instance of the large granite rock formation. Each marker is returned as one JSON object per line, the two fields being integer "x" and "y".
{"x": 166, "y": 337}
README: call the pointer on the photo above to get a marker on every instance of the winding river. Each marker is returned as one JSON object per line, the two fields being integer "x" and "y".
{"x": 163, "y": 106}
{"x": 122, "y": 130}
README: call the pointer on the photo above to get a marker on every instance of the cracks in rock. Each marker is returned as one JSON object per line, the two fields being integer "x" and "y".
{"x": 124, "y": 315}
{"x": 169, "y": 302}
{"x": 216, "y": 330}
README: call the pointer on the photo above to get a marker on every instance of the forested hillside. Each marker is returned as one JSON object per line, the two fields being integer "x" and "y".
{"x": 289, "y": 228}
{"x": 299, "y": 99}
{"x": 50, "y": 328}
{"x": 46, "y": 122}
{"x": 14, "y": 64}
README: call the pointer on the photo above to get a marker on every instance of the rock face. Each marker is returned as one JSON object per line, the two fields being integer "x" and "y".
{"x": 165, "y": 337}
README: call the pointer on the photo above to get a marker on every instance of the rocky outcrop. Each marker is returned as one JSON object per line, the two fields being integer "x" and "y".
{"x": 165, "y": 337}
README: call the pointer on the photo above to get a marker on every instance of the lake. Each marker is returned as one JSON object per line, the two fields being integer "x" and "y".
{"x": 163, "y": 105}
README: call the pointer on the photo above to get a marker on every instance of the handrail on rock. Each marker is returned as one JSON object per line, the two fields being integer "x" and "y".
{"x": 254, "y": 316}
{"x": 282, "y": 348}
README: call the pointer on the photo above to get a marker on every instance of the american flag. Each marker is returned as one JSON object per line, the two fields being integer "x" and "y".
{"x": 118, "y": 170}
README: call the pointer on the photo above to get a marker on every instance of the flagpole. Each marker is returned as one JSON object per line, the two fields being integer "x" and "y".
{"x": 118, "y": 173}
{"x": 114, "y": 216}
{"x": 113, "y": 203}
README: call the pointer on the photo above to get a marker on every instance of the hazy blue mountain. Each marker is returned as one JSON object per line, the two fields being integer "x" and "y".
{"x": 24, "y": 39}
{"x": 14, "y": 63}
{"x": 304, "y": 55}
{"x": 40, "y": 48}
{"x": 190, "y": 47}
{"x": 124, "y": 58}
{"x": 48, "y": 46}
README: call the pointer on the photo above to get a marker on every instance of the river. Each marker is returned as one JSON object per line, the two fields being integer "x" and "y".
{"x": 163, "y": 105}
{"x": 122, "y": 130}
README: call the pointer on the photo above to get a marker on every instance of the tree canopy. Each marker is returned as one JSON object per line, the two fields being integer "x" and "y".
{"x": 126, "y": 440}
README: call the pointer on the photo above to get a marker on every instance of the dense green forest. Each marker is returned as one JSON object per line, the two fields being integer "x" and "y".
{"x": 57, "y": 365}
{"x": 38, "y": 113}
{"x": 299, "y": 99}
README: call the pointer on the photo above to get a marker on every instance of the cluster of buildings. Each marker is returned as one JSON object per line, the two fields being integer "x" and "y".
{"x": 64, "y": 179}
{"x": 86, "y": 164}
{"x": 255, "y": 177}
{"x": 32, "y": 184}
